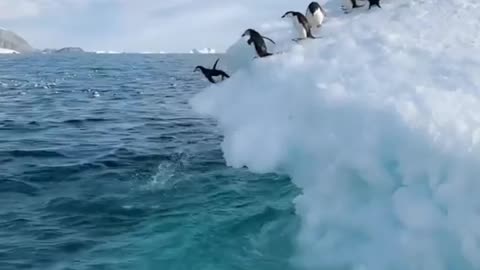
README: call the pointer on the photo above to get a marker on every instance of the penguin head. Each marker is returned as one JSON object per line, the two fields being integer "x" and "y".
{"x": 289, "y": 14}
{"x": 247, "y": 32}
{"x": 197, "y": 68}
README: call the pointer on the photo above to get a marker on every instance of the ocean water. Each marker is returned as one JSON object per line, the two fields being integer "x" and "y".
{"x": 104, "y": 165}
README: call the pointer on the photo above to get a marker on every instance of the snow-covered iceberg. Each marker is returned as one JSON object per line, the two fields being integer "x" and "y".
{"x": 203, "y": 51}
{"x": 7, "y": 51}
{"x": 378, "y": 122}
{"x": 107, "y": 52}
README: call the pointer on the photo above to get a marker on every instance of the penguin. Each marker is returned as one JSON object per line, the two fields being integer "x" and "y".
{"x": 213, "y": 75}
{"x": 348, "y": 5}
{"x": 374, "y": 3}
{"x": 301, "y": 24}
{"x": 258, "y": 42}
{"x": 315, "y": 14}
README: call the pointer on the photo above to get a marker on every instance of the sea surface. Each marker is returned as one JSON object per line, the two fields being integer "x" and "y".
{"x": 104, "y": 165}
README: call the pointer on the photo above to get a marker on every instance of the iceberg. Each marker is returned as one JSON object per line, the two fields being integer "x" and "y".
{"x": 7, "y": 51}
{"x": 107, "y": 52}
{"x": 203, "y": 51}
{"x": 378, "y": 123}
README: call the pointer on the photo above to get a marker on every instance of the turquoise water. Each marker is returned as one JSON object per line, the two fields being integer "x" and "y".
{"x": 103, "y": 165}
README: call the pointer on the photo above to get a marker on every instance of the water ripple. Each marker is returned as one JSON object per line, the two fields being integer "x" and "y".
{"x": 103, "y": 165}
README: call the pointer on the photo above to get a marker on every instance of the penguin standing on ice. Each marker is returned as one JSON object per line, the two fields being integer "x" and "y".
{"x": 315, "y": 14}
{"x": 213, "y": 75}
{"x": 258, "y": 42}
{"x": 348, "y": 5}
{"x": 374, "y": 3}
{"x": 301, "y": 24}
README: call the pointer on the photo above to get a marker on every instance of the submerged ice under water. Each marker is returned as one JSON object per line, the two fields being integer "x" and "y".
{"x": 378, "y": 124}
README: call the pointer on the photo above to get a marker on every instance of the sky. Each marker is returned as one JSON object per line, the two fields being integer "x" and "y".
{"x": 138, "y": 25}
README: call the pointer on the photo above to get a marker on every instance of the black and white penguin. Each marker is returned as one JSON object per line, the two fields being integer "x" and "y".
{"x": 301, "y": 24}
{"x": 315, "y": 14}
{"x": 258, "y": 42}
{"x": 374, "y": 3}
{"x": 348, "y": 5}
{"x": 213, "y": 75}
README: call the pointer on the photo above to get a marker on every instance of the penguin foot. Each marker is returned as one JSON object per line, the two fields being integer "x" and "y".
{"x": 298, "y": 39}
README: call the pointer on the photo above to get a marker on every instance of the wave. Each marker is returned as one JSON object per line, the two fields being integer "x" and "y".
{"x": 86, "y": 120}
{"x": 13, "y": 186}
{"x": 32, "y": 153}
{"x": 377, "y": 122}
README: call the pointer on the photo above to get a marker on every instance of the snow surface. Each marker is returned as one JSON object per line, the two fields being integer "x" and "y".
{"x": 378, "y": 122}
{"x": 203, "y": 51}
{"x": 7, "y": 51}
{"x": 107, "y": 52}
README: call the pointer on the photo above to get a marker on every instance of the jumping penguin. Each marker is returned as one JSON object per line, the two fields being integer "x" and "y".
{"x": 258, "y": 42}
{"x": 315, "y": 14}
{"x": 348, "y": 5}
{"x": 213, "y": 75}
{"x": 301, "y": 24}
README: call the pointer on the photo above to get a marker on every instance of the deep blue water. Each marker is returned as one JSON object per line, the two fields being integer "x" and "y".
{"x": 103, "y": 165}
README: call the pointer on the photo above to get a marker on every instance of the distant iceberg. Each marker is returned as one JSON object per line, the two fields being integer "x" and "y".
{"x": 107, "y": 52}
{"x": 203, "y": 51}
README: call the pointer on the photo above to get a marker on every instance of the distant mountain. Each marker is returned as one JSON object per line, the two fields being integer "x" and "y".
{"x": 64, "y": 50}
{"x": 48, "y": 51}
{"x": 10, "y": 40}
{"x": 70, "y": 50}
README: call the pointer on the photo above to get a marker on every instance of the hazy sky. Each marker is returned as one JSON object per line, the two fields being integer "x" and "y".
{"x": 138, "y": 25}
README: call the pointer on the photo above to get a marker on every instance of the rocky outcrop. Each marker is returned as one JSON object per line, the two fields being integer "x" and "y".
{"x": 10, "y": 40}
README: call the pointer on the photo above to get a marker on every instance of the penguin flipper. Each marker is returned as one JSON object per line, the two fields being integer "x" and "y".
{"x": 215, "y": 65}
{"x": 323, "y": 11}
{"x": 269, "y": 39}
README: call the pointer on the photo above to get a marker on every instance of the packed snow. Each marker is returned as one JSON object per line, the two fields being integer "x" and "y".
{"x": 378, "y": 122}
{"x": 107, "y": 52}
{"x": 7, "y": 51}
{"x": 203, "y": 51}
